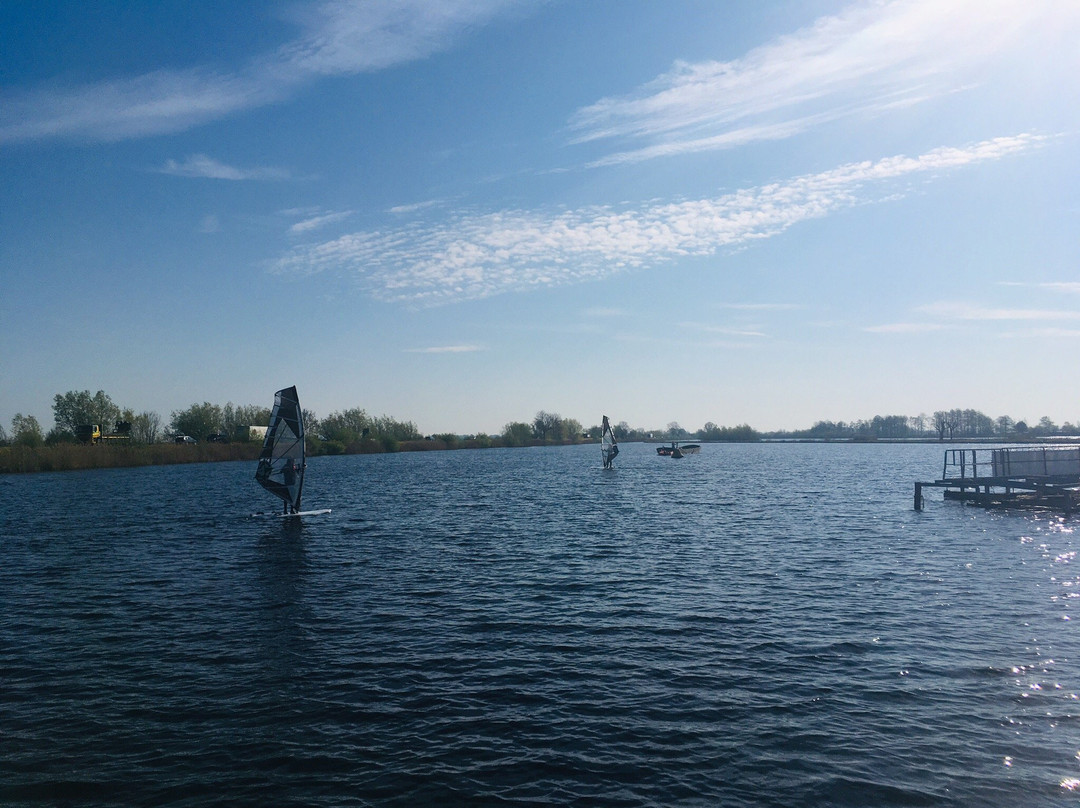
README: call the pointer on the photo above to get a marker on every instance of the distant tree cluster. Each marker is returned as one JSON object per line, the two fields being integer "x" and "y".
{"x": 354, "y": 430}
{"x": 942, "y": 425}
{"x": 76, "y": 409}
{"x": 345, "y": 431}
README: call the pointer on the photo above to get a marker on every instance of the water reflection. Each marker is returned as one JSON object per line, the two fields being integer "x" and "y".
{"x": 282, "y": 615}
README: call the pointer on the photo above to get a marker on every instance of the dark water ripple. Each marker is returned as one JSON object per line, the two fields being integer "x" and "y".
{"x": 756, "y": 625}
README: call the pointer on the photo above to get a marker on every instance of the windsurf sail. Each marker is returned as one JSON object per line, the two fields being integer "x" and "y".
{"x": 609, "y": 447}
{"x": 282, "y": 462}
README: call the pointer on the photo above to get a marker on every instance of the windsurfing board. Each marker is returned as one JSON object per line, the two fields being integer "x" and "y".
{"x": 301, "y": 513}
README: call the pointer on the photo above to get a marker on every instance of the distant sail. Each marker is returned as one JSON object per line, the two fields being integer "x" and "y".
{"x": 282, "y": 462}
{"x": 609, "y": 447}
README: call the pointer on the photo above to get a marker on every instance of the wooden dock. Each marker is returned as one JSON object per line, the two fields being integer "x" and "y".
{"x": 1045, "y": 477}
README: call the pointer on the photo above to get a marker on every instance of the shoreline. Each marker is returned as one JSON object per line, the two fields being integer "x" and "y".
{"x": 81, "y": 457}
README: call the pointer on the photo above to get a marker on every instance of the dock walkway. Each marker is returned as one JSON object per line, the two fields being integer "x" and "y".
{"x": 1013, "y": 477}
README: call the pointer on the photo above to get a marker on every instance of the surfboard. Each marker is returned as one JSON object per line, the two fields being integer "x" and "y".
{"x": 319, "y": 512}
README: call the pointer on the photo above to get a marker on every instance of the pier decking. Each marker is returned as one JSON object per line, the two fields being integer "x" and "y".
{"x": 1014, "y": 477}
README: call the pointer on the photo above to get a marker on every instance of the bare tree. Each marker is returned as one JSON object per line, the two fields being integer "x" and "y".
{"x": 547, "y": 425}
{"x": 146, "y": 427}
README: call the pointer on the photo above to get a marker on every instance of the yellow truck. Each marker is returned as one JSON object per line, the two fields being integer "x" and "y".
{"x": 92, "y": 433}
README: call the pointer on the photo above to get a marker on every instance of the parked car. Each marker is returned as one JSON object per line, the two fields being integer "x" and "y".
{"x": 185, "y": 439}
{"x": 217, "y": 437}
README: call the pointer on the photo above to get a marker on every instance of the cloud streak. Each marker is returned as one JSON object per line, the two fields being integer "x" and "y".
{"x": 338, "y": 38}
{"x": 970, "y": 312}
{"x": 479, "y": 255}
{"x": 201, "y": 166}
{"x": 442, "y": 349}
{"x": 1069, "y": 287}
{"x": 947, "y": 314}
{"x": 871, "y": 57}
{"x": 319, "y": 221}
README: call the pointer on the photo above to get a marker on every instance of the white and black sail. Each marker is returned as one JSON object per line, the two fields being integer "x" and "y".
{"x": 609, "y": 447}
{"x": 282, "y": 462}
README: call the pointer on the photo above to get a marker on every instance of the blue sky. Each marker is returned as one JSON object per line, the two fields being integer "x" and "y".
{"x": 460, "y": 213}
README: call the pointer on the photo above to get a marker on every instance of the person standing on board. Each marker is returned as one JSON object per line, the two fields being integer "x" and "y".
{"x": 609, "y": 456}
{"x": 289, "y": 473}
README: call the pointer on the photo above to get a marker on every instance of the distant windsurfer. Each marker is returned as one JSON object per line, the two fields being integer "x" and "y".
{"x": 609, "y": 452}
{"x": 609, "y": 456}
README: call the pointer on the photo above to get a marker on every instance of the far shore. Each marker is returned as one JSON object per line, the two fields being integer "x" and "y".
{"x": 78, "y": 457}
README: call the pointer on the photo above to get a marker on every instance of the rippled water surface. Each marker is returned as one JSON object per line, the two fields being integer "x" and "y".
{"x": 756, "y": 625}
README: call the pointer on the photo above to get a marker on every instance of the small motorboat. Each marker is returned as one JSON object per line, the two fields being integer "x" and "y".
{"x": 676, "y": 451}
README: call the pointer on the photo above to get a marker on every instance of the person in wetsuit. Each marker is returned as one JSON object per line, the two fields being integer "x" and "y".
{"x": 288, "y": 472}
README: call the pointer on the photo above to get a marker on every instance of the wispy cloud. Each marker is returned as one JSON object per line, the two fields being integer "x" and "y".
{"x": 905, "y": 328}
{"x": 947, "y": 314}
{"x": 871, "y": 57}
{"x": 1055, "y": 333}
{"x": 415, "y": 206}
{"x": 728, "y": 331}
{"x": 968, "y": 312}
{"x": 338, "y": 38}
{"x": 761, "y": 306}
{"x": 320, "y": 220}
{"x": 605, "y": 311}
{"x": 441, "y": 349}
{"x": 476, "y": 256}
{"x": 1070, "y": 287}
{"x": 199, "y": 165}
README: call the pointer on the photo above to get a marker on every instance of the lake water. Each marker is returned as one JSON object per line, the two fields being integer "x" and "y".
{"x": 757, "y": 625}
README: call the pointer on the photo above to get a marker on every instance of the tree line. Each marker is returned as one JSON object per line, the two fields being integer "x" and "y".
{"x": 353, "y": 430}
{"x": 941, "y": 425}
{"x": 204, "y": 421}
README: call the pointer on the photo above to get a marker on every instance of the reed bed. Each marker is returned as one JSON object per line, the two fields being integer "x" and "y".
{"x": 73, "y": 457}
{"x": 77, "y": 456}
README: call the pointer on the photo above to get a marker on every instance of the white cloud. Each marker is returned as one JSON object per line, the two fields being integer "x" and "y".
{"x": 339, "y": 37}
{"x": 344, "y": 37}
{"x": 476, "y": 256}
{"x": 871, "y": 57}
{"x": 199, "y": 165}
{"x": 154, "y": 103}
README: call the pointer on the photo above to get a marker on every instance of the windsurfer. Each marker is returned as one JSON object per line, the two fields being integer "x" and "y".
{"x": 609, "y": 450}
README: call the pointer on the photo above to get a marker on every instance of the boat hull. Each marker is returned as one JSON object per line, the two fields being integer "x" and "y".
{"x": 678, "y": 451}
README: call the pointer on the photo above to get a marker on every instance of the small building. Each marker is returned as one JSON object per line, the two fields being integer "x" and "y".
{"x": 255, "y": 433}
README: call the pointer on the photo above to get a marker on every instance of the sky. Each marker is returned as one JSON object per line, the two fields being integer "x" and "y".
{"x": 461, "y": 212}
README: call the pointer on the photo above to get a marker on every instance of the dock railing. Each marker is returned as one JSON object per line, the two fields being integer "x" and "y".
{"x": 995, "y": 475}
{"x": 1011, "y": 462}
